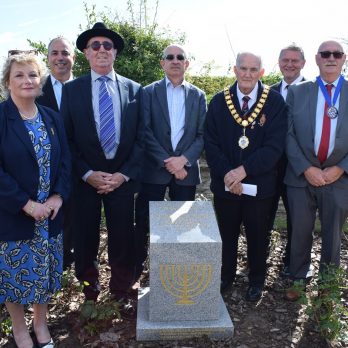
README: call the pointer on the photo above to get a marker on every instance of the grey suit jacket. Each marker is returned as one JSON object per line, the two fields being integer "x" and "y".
{"x": 158, "y": 145}
{"x": 302, "y": 100}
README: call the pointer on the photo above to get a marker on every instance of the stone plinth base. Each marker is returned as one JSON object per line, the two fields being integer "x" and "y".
{"x": 174, "y": 330}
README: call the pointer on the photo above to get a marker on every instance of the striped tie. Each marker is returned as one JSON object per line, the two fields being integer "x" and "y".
{"x": 106, "y": 112}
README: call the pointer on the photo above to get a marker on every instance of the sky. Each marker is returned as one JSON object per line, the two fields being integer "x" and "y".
{"x": 216, "y": 30}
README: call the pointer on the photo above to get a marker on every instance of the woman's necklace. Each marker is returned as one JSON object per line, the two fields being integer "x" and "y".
{"x": 28, "y": 118}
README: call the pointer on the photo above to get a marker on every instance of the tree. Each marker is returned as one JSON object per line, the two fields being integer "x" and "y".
{"x": 144, "y": 42}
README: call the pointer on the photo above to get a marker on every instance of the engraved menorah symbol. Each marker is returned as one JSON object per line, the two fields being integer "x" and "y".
{"x": 185, "y": 281}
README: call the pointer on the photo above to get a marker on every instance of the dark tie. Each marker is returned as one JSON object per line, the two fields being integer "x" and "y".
{"x": 245, "y": 107}
{"x": 325, "y": 133}
{"x": 106, "y": 112}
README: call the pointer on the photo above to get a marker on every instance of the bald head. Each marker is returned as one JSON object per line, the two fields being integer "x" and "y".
{"x": 330, "y": 59}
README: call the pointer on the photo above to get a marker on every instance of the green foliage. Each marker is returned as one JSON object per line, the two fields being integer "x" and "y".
{"x": 325, "y": 307}
{"x": 6, "y": 326}
{"x": 271, "y": 79}
{"x": 69, "y": 287}
{"x": 144, "y": 42}
{"x": 210, "y": 84}
{"x": 95, "y": 315}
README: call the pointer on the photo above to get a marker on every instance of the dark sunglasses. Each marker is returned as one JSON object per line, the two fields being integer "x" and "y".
{"x": 95, "y": 45}
{"x": 172, "y": 56}
{"x": 327, "y": 54}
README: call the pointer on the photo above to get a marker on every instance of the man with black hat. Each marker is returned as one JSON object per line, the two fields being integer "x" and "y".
{"x": 104, "y": 128}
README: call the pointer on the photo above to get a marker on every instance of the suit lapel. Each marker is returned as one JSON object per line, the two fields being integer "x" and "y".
{"x": 343, "y": 104}
{"x": 88, "y": 121}
{"x": 313, "y": 99}
{"x": 50, "y": 94}
{"x": 124, "y": 92}
{"x": 161, "y": 94}
{"x": 19, "y": 127}
{"x": 189, "y": 97}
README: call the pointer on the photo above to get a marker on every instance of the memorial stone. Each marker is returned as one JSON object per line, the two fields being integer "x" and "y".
{"x": 185, "y": 263}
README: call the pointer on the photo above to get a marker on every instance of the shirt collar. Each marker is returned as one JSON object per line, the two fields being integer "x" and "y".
{"x": 295, "y": 82}
{"x": 169, "y": 83}
{"x": 252, "y": 94}
{"x": 55, "y": 81}
{"x": 111, "y": 75}
{"x": 333, "y": 83}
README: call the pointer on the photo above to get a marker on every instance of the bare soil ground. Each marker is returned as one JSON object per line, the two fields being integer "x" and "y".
{"x": 272, "y": 322}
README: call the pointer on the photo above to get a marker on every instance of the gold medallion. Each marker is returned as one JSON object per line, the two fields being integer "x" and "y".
{"x": 257, "y": 109}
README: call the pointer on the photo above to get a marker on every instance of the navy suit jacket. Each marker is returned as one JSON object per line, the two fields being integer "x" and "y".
{"x": 19, "y": 171}
{"x": 259, "y": 159}
{"x": 87, "y": 153}
{"x": 48, "y": 97}
{"x": 158, "y": 134}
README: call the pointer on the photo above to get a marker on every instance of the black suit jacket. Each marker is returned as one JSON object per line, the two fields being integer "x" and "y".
{"x": 19, "y": 171}
{"x": 259, "y": 159}
{"x": 48, "y": 97}
{"x": 283, "y": 161}
{"x": 86, "y": 150}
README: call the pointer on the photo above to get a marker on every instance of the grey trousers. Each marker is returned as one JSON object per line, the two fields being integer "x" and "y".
{"x": 331, "y": 201}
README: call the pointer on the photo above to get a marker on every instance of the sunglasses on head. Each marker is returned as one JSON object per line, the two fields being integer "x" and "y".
{"x": 15, "y": 52}
{"x": 327, "y": 54}
{"x": 172, "y": 56}
{"x": 95, "y": 45}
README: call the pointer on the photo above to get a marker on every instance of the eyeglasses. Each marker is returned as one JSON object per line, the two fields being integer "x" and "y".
{"x": 172, "y": 56}
{"x": 327, "y": 54}
{"x": 15, "y": 52}
{"x": 95, "y": 45}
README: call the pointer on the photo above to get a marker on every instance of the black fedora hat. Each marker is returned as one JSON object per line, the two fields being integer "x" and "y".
{"x": 99, "y": 29}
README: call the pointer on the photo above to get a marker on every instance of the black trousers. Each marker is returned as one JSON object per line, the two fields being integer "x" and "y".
{"x": 119, "y": 216}
{"x": 68, "y": 232}
{"x": 282, "y": 192}
{"x": 254, "y": 215}
{"x": 154, "y": 192}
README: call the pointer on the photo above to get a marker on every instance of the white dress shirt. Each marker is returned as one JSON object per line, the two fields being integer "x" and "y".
{"x": 252, "y": 95}
{"x": 284, "y": 86}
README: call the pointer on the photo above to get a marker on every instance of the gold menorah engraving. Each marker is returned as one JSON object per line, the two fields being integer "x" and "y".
{"x": 185, "y": 281}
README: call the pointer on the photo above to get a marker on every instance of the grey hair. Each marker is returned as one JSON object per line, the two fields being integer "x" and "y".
{"x": 243, "y": 54}
{"x": 292, "y": 47}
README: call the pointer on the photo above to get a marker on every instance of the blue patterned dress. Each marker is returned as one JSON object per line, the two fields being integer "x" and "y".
{"x": 30, "y": 270}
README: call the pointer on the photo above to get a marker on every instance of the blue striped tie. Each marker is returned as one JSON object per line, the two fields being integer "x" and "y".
{"x": 106, "y": 112}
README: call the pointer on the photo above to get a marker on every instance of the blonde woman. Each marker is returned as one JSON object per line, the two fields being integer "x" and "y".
{"x": 34, "y": 183}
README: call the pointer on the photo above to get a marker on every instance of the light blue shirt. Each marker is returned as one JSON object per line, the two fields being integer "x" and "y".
{"x": 112, "y": 87}
{"x": 176, "y": 108}
{"x": 57, "y": 89}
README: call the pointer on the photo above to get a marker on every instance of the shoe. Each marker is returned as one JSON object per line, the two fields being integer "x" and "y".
{"x": 225, "y": 285}
{"x": 292, "y": 295}
{"x": 285, "y": 273}
{"x": 37, "y": 344}
{"x": 49, "y": 344}
{"x": 297, "y": 289}
{"x": 254, "y": 293}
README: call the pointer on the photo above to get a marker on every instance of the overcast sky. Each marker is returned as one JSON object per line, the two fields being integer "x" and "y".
{"x": 215, "y": 29}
